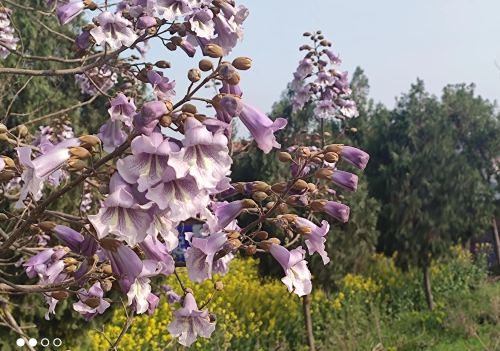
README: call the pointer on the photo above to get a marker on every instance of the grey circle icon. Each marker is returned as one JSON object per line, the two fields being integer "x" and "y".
{"x": 57, "y": 342}
{"x": 45, "y": 342}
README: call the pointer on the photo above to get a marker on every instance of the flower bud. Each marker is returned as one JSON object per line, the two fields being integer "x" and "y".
{"x": 106, "y": 268}
{"x": 22, "y": 130}
{"x": 306, "y": 34}
{"x": 60, "y": 295}
{"x": 304, "y": 230}
{"x": 284, "y": 157}
{"x": 282, "y": 208}
{"x": 260, "y": 186}
{"x": 3, "y": 217}
{"x": 234, "y": 235}
{"x": 219, "y": 286}
{"x": 260, "y": 235}
{"x": 235, "y": 79}
{"x": 248, "y": 203}
{"x": 317, "y": 205}
{"x": 300, "y": 184}
{"x": 311, "y": 187}
{"x": 6, "y": 175}
{"x": 213, "y": 50}
{"x": 47, "y": 226}
{"x": 242, "y": 63}
{"x": 337, "y": 148}
{"x": 70, "y": 269}
{"x": 205, "y": 65}
{"x": 76, "y": 164}
{"x": 304, "y": 151}
{"x": 266, "y": 244}
{"x": 251, "y": 250}
{"x": 3, "y": 128}
{"x": 189, "y": 108}
{"x": 69, "y": 261}
{"x": 162, "y": 64}
{"x": 279, "y": 187}
{"x": 106, "y": 284}
{"x": 290, "y": 218}
{"x": 166, "y": 121}
{"x": 194, "y": 75}
{"x": 331, "y": 157}
{"x": 270, "y": 205}
{"x": 259, "y": 196}
{"x": 324, "y": 173}
{"x": 93, "y": 302}
{"x": 9, "y": 163}
{"x": 79, "y": 152}
{"x": 88, "y": 141}
{"x": 4, "y": 137}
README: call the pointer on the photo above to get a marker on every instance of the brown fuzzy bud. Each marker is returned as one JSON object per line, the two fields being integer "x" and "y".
{"x": 106, "y": 268}
{"x": 304, "y": 151}
{"x": 260, "y": 235}
{"x": 235, "y": 79}
{"x": 88, "y": 141}
{"x": 213, "y": 50}
{"x": 69, "y": 261}
{"x": 239, "y": 187}
{"x": 282, "y": 208}
{"x": 242, "y": 63}
{"x": 248, "y": 203}
{"x": 46, "y": 226}
{"x": 331, "y": 157}
{"x": 22, "y": 130}
{"x": 162, "y": 64}
{"x": 171, "y": 46}
{"x": 290, "y": 218}
{"x": 311, "y": 187}
{"x": 106, "y": 285}
{"x": 317, "y": 205}
{"x": 93, "y": 302}
{"x": 306, "y": 34}
{"x": 285, "y": 157}
{"x": 166, "y": 121}
{"x": 251, "y": 250}
{"x": 205, "y": 65}
{"x": 76, "y": 165}
{"x": 3, "y": 128}
{"x": 323, "y": 42}
{"x": 233, "y": 244}
{"x": 189, "y": 108}
{"x": 3, "y": 217}
{"x": 233, "y": 235}
{"x": 337, "y": 148}
{"x": 79, "y": 152}
{"x": 194, "y": 75}
{"x": 279, "y": 187}
{"x": 324, "y": 173}
{"x": 219, "y": 286}
{"x": 270, "y": 205}
{"x": 70, "y": 269}
{"x": 9, "y": 163}
{"x": 260, "y": 186}
{"x": 259, "y": 196}
{"x": 4, "y": 137}
{"x": 6, "y": 176}
{"x": 266, "y": 244}
{"x": 353, "y": 130}
{"x": 300, "y": 184}
{"x": 60, "y": 295}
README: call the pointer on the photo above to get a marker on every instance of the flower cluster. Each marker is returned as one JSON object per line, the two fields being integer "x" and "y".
{"x": 317, "y": 80}
{"x": 8, "y": 40}
{"x": 159, "y": 166}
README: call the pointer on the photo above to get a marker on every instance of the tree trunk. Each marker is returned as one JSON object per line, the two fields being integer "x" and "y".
{"x": 427, "y": 287}
{"x": 496, "y": 240}
{"x": 306, "y": 304}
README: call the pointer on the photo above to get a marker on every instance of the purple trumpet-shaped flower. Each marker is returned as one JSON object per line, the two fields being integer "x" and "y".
{"x": 201, "y": 22}
{"x": 68, "y": 12}
{"x": 102, "y": 77}
{"x": 171, "y": 9}
{"x": 122, "y": 215}
{"x": 172, "y": 296}
{"x": 139, "y": 293}
{"x": 91, "y": 302}
{"x": 227, "y": 212}
{"x": 114, "y": 30}
{"x": 46, "y": 264}
{"x": 228, "y": 26}
{"x": 112, "y": 135}
{"x": 315, "y": 240}
{"x": 206, "y": 155}
{"x": 358, "y": 158}
{"x": 84, "y": 245}
{"x": 200, "y": 256}
{"x": 334, "y": 59}
{"x": 261, "y": 127}
{"x": 298, "y": 277}
{"x": 122, "y": 109}
{"x": 157, "y": 251}
{"x": 345, "y": 180}
{"x": 148, "y": 161}
{"x": 163, "y": 88}
{"x": 165, "y": 227}
{"x": 147, "y": 119}
{"x": 181, "y": 196}
{"x": 145, "y": 22}
{"x": 189, "y": 322}
{"x": 337, "y": 210}
{"x": 324, "y": 109}
{"x": 305, "y": 68}
{"x": 82, "y": 41}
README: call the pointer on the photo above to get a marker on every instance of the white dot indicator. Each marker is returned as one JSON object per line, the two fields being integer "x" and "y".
{"x": 20, "y": 342}
{"x": 32, "y": 342}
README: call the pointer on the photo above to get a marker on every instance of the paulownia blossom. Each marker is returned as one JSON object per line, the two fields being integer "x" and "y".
{"x": 297, "y": 276}
{"x": 200, "y": 256}
{"x": 69, "y": 11}
{"x": 91, "y": 302}
{"x": 7, "y": 37}
{"x": 189, "y": 322}
{"x": 163, "y": 88}
{"x": 122, "y": 215}
{"x": 315, "y": 238}
{"x": 113, "y": 30}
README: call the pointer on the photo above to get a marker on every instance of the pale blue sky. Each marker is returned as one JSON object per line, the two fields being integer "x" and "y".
{"x": 394, "y": 41}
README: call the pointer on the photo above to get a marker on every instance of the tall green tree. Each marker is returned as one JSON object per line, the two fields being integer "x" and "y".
{"x": 431, "y": 196}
